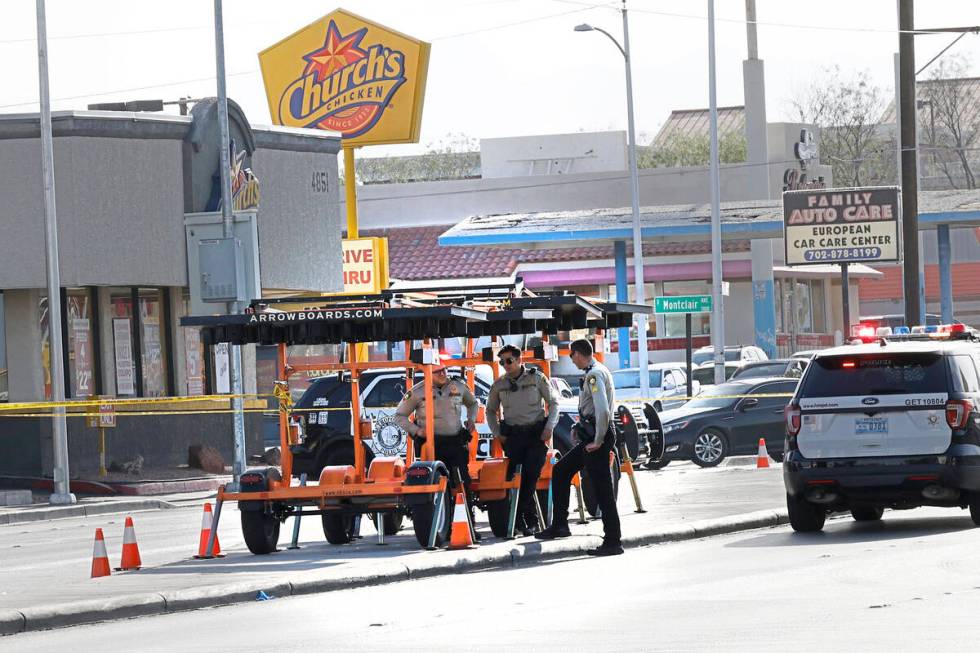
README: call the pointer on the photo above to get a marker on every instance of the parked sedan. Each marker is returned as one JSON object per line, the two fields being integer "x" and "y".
{"x": 727, "y": 420}
{"x": 789, "y": 367}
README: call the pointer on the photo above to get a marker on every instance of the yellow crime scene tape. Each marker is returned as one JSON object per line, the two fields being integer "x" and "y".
{"x": 673, "y": 399}
{"x": 109, "y": 401}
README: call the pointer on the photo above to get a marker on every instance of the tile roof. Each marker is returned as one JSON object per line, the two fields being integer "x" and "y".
{"x": 696, "y": 122}
{"x": 415, "y": 254}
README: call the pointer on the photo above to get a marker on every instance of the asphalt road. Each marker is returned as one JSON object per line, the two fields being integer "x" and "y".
{"x": 44, "y": 563}
{"x": 909, "y": 582}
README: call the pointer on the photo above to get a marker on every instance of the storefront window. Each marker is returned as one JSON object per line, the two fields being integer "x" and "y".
{"x": 649, "y": 291}
{"x": 121, "y": 302}
{"x": 811, "y": 314}
{"x": 4, "y": 387}
{"x": 675, "y": 325}
{"x": 81, "y": 350}
{"x": 45, "y": 345}
{"x": 152, "y": 347}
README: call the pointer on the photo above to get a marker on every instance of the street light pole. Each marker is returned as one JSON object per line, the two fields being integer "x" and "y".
{"x": 59, "y": 427}
{"x": 641, "y": 336}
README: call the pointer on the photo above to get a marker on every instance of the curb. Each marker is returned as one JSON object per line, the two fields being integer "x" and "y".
{"x": 138, "y": 605}
{"x": 80, "y": 510}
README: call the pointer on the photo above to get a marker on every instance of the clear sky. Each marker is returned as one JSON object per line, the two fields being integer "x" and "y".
{"x": 498, "y": 67}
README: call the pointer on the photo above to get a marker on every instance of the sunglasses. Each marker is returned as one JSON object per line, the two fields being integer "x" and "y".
{"x": 508, "y": 361}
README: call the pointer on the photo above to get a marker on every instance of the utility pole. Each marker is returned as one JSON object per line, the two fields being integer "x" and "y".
{"x": 910, "y": 187}
{"x": 718, "y": 310}
{"x": 59, "y": 426}
{"x": 228, "y": 219}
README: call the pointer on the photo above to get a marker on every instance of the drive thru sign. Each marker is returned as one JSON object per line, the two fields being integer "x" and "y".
{"x": 682, "y": 304}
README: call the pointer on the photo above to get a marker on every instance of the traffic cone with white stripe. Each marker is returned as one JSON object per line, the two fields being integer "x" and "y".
{"x": 202, "y": 548}
{"x": 100, "y": 559}
{"x": 763, "y": 459}
{"x": 460, "y": 536}
{"x": 130, "y": 551}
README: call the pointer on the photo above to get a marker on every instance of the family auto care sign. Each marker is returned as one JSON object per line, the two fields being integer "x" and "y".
{"x": 346, "y": 74}
{"x": 847, "y": 225}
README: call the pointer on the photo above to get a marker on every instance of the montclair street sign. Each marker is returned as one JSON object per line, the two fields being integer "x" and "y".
{"x": 682, "y": 304}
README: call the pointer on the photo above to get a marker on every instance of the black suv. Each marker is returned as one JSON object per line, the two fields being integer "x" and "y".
{"x": 885, "y": 425}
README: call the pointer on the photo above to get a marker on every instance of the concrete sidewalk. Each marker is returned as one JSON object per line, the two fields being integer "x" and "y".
{"x": 52, "y": 589}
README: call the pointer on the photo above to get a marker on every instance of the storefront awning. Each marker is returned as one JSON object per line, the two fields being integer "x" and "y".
{"x": 740, "y": 220}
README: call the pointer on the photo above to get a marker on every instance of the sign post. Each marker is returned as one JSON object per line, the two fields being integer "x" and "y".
{"x": 105, "y": 419}
{"x": 686, "y": 304}
{"x": 842, "y": 226}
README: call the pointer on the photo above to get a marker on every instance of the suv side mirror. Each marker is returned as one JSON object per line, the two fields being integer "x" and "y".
{"x": 747, "y": 403}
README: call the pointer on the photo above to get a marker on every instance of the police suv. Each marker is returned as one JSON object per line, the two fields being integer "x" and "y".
{"x": 893, "y": 424}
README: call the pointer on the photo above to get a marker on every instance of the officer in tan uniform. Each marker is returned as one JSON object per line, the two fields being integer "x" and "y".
{"x": 523, "y": 394}
{"x": 449, "y": 397}
{"x": 596, "y": 437}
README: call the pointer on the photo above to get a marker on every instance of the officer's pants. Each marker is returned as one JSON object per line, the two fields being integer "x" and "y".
{"x": 452, "y": 451}
{"x": 525, "y": 448}
{"x": 600, "y": 477}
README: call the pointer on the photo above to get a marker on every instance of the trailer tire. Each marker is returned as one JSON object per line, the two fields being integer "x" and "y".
{"x": 391, "y": 522}
{"x": 338, "y": 527}
{"x": 260, "y": 530}
{"x": 422, "y": 515}
{"x": 498, "y": 514}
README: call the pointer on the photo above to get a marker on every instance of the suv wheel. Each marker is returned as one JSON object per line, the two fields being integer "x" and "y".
{"x": 804, "y": 516}
{"x": 867, "y": 513}
{"x": 710, "y": 448}
{"x": 975, "y": 507}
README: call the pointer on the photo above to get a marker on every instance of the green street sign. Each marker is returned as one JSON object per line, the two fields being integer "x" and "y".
{"x": 682, "y": 304}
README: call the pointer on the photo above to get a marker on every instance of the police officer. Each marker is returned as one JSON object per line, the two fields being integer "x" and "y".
{"x": 449, "y": 396}
{"x": 525, "y": 430}
{"x": 596, "y": 439}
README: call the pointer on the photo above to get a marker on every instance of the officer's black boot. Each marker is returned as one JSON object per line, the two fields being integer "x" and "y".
{"x": 554, "y": 531}
{"x": 529, "y": 525}
{"x": 607, "y": 549}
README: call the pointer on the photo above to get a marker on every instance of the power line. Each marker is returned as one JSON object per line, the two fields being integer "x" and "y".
{"x": 70, "y": 37}
{"x": 585, "y": 7}
{"x": 824, "y": 28}
{"x": 129, "y": 90}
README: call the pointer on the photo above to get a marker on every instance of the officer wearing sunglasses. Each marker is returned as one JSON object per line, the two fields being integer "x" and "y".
{"x": 523, "y": 393}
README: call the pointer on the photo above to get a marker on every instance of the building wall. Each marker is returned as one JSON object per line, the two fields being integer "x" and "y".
{"x": 552, "y": 154}
{"x": 448, "y": 202}
{"x": 119, "y": 212}
{"x": 299, "y": 225}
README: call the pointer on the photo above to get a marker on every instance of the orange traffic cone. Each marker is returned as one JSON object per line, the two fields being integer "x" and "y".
{"x": 131, "y": 551}
{"x": 202, "y": 548}
{"x": 460, "y": 536}
{"x": 763, "y": 459}
{"x": 100, "y": 559}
